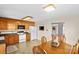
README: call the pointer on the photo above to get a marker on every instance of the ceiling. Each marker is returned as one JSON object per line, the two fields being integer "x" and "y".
{"x": 35, "y": 10}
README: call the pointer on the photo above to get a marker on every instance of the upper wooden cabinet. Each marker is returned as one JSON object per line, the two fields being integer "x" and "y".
{"x": 12, "y": 24}
{"x": 24, "y": 23}
{"x": 3, "y": 25}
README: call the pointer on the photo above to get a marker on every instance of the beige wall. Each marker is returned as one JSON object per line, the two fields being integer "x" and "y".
{"x": 71, "y": 28}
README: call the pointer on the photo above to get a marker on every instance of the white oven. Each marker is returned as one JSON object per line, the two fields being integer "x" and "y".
{"x": 2, "y": 38}
{"x": 22, "y": 36}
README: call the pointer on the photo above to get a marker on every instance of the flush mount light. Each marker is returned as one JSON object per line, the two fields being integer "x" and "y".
{"x": 28, "y": 18}
{"x": 49, "y": 7}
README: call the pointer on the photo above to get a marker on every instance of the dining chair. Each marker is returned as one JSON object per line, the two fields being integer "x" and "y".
{"x": 75, "y": 49}
{"x": 38, "y": 50}
{"x": 62, "y": 38}
{"x": 43, "y": 40}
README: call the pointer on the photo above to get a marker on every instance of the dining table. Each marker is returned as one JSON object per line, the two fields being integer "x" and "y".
{"x": 63, "y": 48}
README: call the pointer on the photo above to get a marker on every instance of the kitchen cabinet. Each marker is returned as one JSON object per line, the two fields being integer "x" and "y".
{"x": 2, "y": 48}
{"x": 16, "y": 39}
{"x": 24, "y": 23}
{"x": 11, "y": 39}
{"x": 28, "y": 37}
{"x": 12, "y": 24}
{"x": 7, "y": 24}
{"x": 3, "y": 24}
{"x": 26, "y": 26}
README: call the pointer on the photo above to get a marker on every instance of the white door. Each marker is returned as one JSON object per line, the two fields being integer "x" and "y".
{"x": 55, "y": 29}
{"x": 33, "y": 32}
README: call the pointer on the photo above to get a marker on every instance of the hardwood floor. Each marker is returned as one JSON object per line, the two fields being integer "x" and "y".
{"x": 22, "y": 48}
{"x": 26, "y": 48}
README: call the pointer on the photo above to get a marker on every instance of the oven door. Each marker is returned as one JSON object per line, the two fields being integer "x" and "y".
{"x": 22, "y": 36}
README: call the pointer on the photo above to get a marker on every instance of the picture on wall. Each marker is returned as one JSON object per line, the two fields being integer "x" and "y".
{"x": 41, "y": 28}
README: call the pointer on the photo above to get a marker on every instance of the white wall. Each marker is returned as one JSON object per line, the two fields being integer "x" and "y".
{"x": 46, "y": 32}
{"x": 71, "y": 28}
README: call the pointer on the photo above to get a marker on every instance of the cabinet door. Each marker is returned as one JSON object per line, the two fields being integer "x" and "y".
{"x": 10, "y": 39}
{"x": 2, "y": 48}
{"x": 26, "y": 26}
{"x": 12, "y": 26}
{"x": 27, "y": 37}
{"x": 6, "y": 40}
{"x": 16, "y": 39}
{"x": 3, "y": 25}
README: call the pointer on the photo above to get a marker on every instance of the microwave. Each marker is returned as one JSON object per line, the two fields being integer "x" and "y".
{"x": 21, "y": 26}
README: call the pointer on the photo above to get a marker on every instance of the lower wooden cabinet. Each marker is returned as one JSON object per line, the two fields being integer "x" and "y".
{"x": 11, "y": 39}
{"x": 14, "y": 38}
{"x": 28, "y": 37}
{"x": 2, "y": 48}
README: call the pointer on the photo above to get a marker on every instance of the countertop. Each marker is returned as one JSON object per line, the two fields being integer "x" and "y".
{"x": 2, "y": 41}
{"x": 6, "y": 32}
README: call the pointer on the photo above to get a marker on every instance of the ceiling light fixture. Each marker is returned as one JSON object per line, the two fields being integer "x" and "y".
{"x": 49, "y": 7}
{"x": 28, "y": 18}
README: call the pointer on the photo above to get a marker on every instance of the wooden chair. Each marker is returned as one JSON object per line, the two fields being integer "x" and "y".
{"x": 62, "y": 38}
{"x": 75, "y": 49}
{"x": 43, "y": 40}
{"x": 38, "y": 50}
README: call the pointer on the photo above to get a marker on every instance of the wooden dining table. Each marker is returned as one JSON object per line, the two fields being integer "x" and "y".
{"x": 61, "y": 49}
